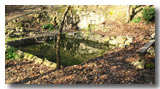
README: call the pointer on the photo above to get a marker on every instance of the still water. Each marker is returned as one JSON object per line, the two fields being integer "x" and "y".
{"x": 72, "y": 51}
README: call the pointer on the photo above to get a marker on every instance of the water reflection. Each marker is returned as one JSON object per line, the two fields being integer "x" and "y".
{"x": 72, "y": 51}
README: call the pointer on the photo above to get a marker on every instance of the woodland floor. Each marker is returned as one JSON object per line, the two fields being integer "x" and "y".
{"x": 112, "y": 68}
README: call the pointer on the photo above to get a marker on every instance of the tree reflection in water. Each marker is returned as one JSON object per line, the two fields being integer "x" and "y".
{"x": 72, "y": 51}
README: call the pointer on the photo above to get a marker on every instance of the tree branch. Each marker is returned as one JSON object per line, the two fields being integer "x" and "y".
{"x": 59, "y": 38}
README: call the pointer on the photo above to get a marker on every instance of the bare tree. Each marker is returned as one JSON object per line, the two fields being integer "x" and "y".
{"x": 128, "y": 13}
{"x": 59, "y": 38}
{"x": 134, "y": 11}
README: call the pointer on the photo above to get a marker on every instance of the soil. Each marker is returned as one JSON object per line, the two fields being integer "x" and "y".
{"x": 19, "y": 10}
{"x": 112, "y": 68}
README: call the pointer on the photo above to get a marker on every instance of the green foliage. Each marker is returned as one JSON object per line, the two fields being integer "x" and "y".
{"x": 50, "y": 27}
{"x": 150, "y": 65}
{"x": 137, "y": 20}
{"x": 148, "y": 14}
{"x": 10, "y": 53}
{"x": 11, "y": 38}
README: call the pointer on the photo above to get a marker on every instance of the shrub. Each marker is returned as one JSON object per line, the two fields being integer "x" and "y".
{"x": 149, "y": 66}
{"x": 148, "y": 14}
{"x": 10, "y": 53}
{"x": 136, "y": 20}
{"x": 48, "y": 26}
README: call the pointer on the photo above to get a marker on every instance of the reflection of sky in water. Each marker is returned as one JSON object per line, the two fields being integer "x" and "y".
{"x": 73, "y": 51}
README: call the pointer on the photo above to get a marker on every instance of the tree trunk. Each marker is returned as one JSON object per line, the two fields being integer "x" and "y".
{"x": 134, "y": 12}
{"x": 59, "y": 38}
{"x": 58, "y": 51}
{"x": 128, "y": 13}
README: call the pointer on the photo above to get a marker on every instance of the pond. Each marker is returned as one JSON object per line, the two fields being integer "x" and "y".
{"x": 72, "y": 51}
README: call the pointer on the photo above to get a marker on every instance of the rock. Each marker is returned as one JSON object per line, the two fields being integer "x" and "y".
{"x": 77, "y": 34}
{"x": 14, "y": 21}
{"x": 105, "y": 39}
{"x": 9, "y": 32}
{"x": 113, "y": 42}
{"x": 82, "y": 46}
{"x": 96, "y": 29}
{"x": 120, "y": 39}
{"x": 139, "y": 64}
{"x": 30, "y": 57}
{"x": 121, "y": 45}
{"x": 38, "y": 60}
{"x": 31, "y": 34}
{"x": 85, "y": 34}
{"x": 34, "y": 58}
{"x": 20, "y": 54}
{"x": 112, "y": 37}
{"x": 92, "y": 50}
{"x": 104, "y": 30}
{"x": 21, "y": 29}
{"x": 17, "y": 34}
{"x": 36, "y": 15}
{"x": 87, "y": 18}
{"x": 25, "y": 57}
{"x": 129, "y": 39}
{"x": 91, "y": 37}
{"x": 46, "y": 62}
{"x": 54, "y": 65}
{"x": 17, "y": 57}
{"x": 112, "y": 46}
{"x": 17, "y": 28}
{"x": 127, "y": 43}
{"x": 100, "y": 40}
{"x": 151, "y": 50}
{"x": 70, "y": 34}
{"x": 97, "y": 37}
{"x": 38, "y": 20}
{"x": 153, "y": 35}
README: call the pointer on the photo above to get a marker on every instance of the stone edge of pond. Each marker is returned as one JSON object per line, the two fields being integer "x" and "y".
{"x": 112, "y": 41}
{"x": 35, "y": 59}
{"x": 30, "y": 40}
{"x": 119, "y": 41}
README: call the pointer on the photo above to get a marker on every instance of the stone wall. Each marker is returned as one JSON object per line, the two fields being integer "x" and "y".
{"x": 31, "y": 40}
{"x": 83, "y": 15}
{"x": 37, "y": 60}
{"x": 111, "y": 41}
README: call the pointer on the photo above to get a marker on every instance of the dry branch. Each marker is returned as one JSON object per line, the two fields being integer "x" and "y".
{"x": 59, "y": 38}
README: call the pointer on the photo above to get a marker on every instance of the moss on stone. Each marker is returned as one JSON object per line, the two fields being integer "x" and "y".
{"x": 54, "y": 65}
{"x": 38, "y": 61}
{"x": 30, "y": 57}
{"x": 46, "y": 62}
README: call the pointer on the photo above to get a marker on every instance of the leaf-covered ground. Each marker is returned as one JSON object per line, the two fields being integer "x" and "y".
{"x": 112, "y": 68}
